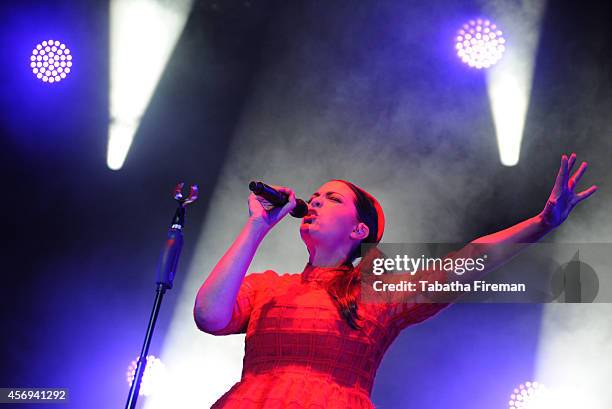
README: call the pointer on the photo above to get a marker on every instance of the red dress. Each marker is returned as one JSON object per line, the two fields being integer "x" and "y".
{"x": 300, "y": 353}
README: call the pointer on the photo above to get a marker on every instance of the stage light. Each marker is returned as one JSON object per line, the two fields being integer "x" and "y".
{"x": 143, "y": 34}
{"x": 509, "y": 81}
{"x": 480, "y": 43}
{"x": 530, "y": 395}
{"x": 51, "y": 61}
{"x": 153, "y": 378}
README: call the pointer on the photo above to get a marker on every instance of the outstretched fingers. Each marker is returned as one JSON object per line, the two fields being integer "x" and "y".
{"x": 577, "y": 175}
{"x": 571, "y": 161}
{"x": 585, "y": 194}
{"x": 561, "y": 180}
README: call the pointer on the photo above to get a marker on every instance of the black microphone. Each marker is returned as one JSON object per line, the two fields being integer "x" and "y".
{"x": 278, "y": 199}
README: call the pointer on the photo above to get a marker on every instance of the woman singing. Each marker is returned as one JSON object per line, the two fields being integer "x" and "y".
{"x": 309, "y": 342}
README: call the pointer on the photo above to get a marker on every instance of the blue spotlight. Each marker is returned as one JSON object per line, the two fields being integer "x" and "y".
{"x": 51, "y": 61}
{"x": 480, "y": 43}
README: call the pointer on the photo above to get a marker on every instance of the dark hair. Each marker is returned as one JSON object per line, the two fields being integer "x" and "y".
{"x": 344, "y": 289}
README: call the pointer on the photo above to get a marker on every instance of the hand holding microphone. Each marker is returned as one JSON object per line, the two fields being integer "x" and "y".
{"x": 272, "y": 203}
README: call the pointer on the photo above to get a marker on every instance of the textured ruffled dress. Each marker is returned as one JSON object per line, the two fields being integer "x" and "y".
{"x": 300, "y": 353}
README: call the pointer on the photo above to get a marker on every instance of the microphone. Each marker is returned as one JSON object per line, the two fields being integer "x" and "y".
{"x": 277, "y": 198}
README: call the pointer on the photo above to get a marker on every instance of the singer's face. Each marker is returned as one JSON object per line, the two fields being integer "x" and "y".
{"x": 331, "y": 218}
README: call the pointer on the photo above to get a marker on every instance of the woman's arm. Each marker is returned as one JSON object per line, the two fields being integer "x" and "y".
{"x": 216, "y": 297}
{"x": 501, "y": 246}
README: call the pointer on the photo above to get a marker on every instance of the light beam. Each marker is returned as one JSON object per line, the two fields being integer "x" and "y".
{"x": 143, "y": 34}
{"x": 509, "y": 81}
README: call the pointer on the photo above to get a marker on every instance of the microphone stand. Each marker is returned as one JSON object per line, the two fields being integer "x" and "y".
{"x": 165, "y": 277}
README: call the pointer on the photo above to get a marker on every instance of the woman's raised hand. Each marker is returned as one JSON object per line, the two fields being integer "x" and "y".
{"x": 264, "y": 214}
{"x": 563, "y": 198}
